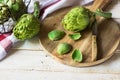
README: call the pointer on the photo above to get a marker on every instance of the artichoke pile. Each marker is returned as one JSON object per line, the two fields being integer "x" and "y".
{"x": 26, "y": 25}
{"x": 6, "y": 21}
{"x": 10, "y": 12}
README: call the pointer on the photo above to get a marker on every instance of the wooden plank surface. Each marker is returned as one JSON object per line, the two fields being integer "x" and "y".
{"x": 28, "y": 61}
{"x": 40, "y": 75}
{"x": 37, "y": 65}
{"x": 40, "y": 61}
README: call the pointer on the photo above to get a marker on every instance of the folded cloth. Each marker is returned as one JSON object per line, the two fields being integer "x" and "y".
{"x": 47, "y": 7}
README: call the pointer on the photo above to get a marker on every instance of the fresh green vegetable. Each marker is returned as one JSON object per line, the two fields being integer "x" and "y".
{"x": 77, "y": 19}
{"x": 17, "y": 8}
{"x": 77, "y": 55}
{"x": 36, "y": 10}
{"x": 63, "y": 48}
{"x": 75, "y": 36}
{"x": 4, "y": 13}
{"x": 56, "y": 35}
{"x": 99, "y": 12}
{"x": 27, "y": 26}
{"x": 1, "y": 1}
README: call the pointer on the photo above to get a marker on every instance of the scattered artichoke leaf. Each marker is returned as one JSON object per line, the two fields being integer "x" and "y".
{"x": 77, "y": 55}
{"x": 63, "y": 48}
{"x": 75, "y": 36}
{"x": 56, "y": 35}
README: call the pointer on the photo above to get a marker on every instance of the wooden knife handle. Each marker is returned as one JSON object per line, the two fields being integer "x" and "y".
{"x": 94, "y": 48}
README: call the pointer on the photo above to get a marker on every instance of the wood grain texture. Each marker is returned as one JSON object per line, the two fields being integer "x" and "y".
{"x": 23, "y": 60}
{"x": 107, "y": 34}
{"x": 40, "y": 75}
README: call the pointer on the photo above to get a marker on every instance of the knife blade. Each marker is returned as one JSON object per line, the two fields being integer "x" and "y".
{"x": 94, "y": 41}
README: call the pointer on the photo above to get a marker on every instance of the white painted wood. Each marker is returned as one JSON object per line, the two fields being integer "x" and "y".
{"x": 41, "y": 75}
{"x": 40, "y": 61}
{"x": 31, "y": 44}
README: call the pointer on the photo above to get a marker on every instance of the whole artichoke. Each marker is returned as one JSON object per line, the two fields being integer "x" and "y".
{"x": 28, "y": 25}
{"x": 17, "y": 8}
{"x": 77, "y": 19}
{"x": 4, "y": 13}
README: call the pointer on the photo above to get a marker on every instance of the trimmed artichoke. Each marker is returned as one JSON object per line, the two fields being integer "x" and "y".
{"x": 63, "y": 48}
{"x": 17, "y": 8}
{"x": 4, "y": 13}
{"x": 77, "y": 19}
{"x": 28, "y": 25}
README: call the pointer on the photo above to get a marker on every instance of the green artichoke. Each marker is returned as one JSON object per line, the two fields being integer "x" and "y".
{"x": 28, "y": 25}
{"x": 1, "y": 1}
{"x": 4, "y": 13}
{"x": 17, "y": 8}
{"x": 77, "y": 19}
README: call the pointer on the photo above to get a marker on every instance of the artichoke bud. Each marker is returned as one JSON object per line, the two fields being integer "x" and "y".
{"x": 77, "y": 19}
{"x": 17, "y": 8}
{"x": 4, "y": 13}
{"x": 26, "y": 27}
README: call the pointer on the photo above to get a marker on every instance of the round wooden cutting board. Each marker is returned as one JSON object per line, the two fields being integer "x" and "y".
{"x": 107, "y": 40}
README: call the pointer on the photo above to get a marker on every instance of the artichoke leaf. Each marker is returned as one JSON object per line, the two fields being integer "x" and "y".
{"x": 75, "y": 36}
{"x": 77, "y": 55}
{"x": 63, "y": 48}
{"x": 56, "y": 35}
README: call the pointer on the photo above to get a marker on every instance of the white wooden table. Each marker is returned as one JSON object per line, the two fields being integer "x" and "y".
{"x": 28, "y": 61}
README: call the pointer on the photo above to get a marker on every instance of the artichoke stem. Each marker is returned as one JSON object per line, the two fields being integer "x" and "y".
{"x": 99, "y": 12}
{"x": 36, "y": 9}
